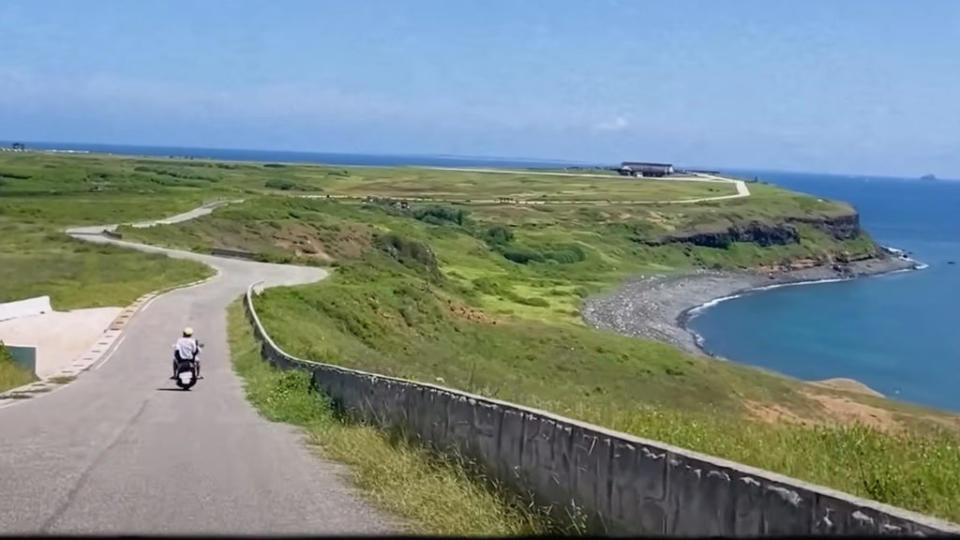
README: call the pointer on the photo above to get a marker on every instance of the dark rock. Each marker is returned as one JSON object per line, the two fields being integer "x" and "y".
{"x": 842, "y": 227}
{"x": 762, "y": 234}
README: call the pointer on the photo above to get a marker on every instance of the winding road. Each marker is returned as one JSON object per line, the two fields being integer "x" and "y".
{"x": 121, "y": 450}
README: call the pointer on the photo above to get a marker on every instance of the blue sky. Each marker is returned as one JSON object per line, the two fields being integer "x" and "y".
{"x": 858, "y": 86}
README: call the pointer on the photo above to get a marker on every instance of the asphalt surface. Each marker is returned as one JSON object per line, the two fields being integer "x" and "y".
{"x": 121, "y": 450}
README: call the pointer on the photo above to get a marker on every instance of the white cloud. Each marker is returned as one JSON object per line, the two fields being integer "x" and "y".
{"x": 617, "y": 124}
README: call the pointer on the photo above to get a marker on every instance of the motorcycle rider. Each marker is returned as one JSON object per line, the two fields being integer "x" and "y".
{"x": 186, "y": 348}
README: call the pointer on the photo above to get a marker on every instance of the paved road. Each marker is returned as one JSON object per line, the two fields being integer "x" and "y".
{"x": 119, "y": 450}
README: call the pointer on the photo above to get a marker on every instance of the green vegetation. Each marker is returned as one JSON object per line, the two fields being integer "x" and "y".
{"x": 287, "y": 185}
{"x": 435, "y": 495}
{"x": 531, "y": 186}
{"x": 486, "y": 298}
{"x": 51, "y": 193}
{"x": 493, "y": 326}
{"x": 12, "y": 375}
{"x": 909, "y": 469}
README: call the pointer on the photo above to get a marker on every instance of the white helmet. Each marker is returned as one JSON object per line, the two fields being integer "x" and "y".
{"x": 187, "y": 332}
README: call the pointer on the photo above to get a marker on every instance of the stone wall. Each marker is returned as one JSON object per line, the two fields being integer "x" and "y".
{"x": 623, "y": 484}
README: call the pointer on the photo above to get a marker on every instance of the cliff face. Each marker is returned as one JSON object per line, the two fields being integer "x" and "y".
{"x": 754, "y": 232}
{"x": 844, "y": 227}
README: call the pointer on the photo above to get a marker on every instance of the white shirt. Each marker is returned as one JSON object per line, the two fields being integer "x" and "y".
{"x": 187, "y": 348}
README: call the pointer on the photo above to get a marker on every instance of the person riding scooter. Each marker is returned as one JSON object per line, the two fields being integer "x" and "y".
{"x": 186, "y": 348}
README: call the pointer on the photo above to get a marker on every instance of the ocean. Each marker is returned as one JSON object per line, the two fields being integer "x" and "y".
{"x": 897, "y": 333}
{"x": 284, "y": 156}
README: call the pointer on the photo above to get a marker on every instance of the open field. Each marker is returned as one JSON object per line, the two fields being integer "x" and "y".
{"x": 487, "y": 299}
{"x": 42, "y": 195}
{"x": 483, "y": 186}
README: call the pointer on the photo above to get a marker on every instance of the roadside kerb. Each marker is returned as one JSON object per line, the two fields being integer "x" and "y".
{"x": 103, "y": 346}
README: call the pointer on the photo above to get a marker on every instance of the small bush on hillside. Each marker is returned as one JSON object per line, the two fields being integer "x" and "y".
{"x": 563, "y": 255}
{"x": 522, "y": 255}
{"x": 406, "y": 251}
{"x": 440, "y": 215}
{"x": 489, "y": 286}
{"x": 534, "y": 301}
{"x": 498, "y": 235}
{"x": 287, "y": 185}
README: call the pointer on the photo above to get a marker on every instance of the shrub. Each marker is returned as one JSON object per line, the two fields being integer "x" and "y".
{"x": 522, "y": 255}
{"x": 440, "y": 215}
{"x": 562, "y": 255}
{"x": 535, "y": 301}
{"x": 287, "y": 185}
{"x": 489, "y": 286}
{"x": 406, "y": 251}
{"x": 498, "y": 235}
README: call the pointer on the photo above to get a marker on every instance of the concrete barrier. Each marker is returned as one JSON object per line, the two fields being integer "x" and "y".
{"x": 25, "y": 308}
{"x": 234, "y": 253}
{"x": 622, "y": 483}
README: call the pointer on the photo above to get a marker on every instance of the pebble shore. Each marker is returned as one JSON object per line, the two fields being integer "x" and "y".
{"x": 657, "y": 307}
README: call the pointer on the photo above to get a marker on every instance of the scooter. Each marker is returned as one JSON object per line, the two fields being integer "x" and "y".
{"x": 188, "y": 372}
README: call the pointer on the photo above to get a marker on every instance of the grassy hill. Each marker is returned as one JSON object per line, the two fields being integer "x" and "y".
{"x": 486, "y": 297}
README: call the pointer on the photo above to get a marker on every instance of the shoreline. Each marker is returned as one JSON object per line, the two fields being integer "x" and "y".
{"x": 660, "y": 307}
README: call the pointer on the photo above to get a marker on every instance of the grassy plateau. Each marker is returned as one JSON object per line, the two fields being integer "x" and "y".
{"x": 486, "y": 298}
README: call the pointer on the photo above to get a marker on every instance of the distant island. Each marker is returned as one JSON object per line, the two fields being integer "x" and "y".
{"x": 928, "y": 177}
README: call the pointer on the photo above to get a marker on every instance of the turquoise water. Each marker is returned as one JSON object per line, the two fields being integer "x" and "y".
{"x": 899, "y": 333}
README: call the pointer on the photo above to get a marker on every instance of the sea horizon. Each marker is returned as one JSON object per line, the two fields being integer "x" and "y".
{"x": 361, "y": 159}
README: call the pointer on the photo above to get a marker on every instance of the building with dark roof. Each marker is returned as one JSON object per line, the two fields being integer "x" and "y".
{"x": 637, "y": 168}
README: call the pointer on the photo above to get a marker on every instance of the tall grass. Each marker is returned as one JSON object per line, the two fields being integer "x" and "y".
{"x": 431, "y": 493}
{"x": 914, "y": 469}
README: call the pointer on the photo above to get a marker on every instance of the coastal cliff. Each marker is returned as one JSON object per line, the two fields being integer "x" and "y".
{"x": 796, "y": 247}
{"x": 722, "y": 234}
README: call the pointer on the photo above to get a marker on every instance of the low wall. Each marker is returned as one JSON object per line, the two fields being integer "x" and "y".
{"x": 624, "y": 484}
{"x": 25, "y": 308}
{"x": 235, "y": 253}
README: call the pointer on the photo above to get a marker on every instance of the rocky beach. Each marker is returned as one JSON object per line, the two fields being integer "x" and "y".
{"x": 657, "y": 307}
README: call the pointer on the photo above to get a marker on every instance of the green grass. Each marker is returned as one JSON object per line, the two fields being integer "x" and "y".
{"x": 478, "y": 186}
{"x": 915, "y": 470}
{"x": 486, "y": 299}
{"x": 433, "y": 495}
{"x": 56, "y": 193}
{"x": 12, "y": 375}
{"x": 540, "y": 268}
{"x": 401, "y": 328}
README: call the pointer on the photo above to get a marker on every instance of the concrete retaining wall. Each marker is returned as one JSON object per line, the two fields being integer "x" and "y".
{"x": 624, "y": 484}
{"x": 25, "y": 308}
{"x": 234, "y": 253}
